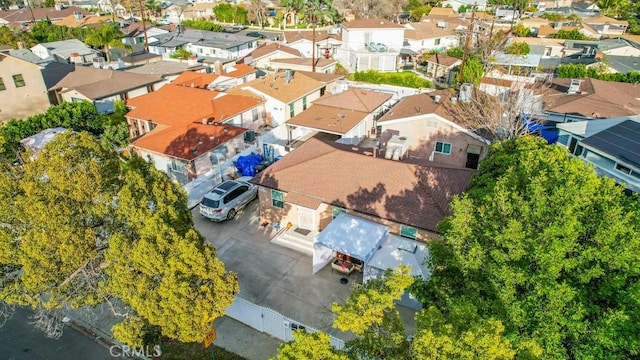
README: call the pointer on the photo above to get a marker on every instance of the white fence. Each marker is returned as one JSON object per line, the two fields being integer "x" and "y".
{"x": 270, "y": 321}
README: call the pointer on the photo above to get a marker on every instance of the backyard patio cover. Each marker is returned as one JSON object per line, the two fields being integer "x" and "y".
{"x": 348, "y": 234}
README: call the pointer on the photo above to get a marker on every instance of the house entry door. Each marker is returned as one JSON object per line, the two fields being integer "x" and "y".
{"x": 305, "y": 218}
{"x": 473, "y": 156}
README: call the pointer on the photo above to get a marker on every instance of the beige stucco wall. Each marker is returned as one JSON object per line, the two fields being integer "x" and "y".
{"x": 24, "y": 101}
{"x": 323, "y": 216}
{"x": 422, "y": 136}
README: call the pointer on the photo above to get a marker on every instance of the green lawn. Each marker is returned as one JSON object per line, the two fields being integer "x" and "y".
{"x": 172, "y": 349}
{"x": 405, "y": 78}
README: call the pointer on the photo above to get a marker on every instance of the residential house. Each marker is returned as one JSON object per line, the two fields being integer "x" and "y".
{"x": 72, "y": 51}
{"x": 204, "y": 44}
{"x": 480, "y": 5}
{"x": 168, "y": 70}
{"x": 535, "y": 23}
{"x": 285, "y": 93}
{"x": 586, "y": 6}
{"x": 318, "y": 181}
{"x": 606, "y": 26}
{"x": 107, "y": 7}
{"x": 262, "y": 56}
{"x": 618, "y": 64}
{"x": 78, "y": 20}
{"x": 20, "y": 18}
{"x": 24, "y": 85}
{"x": 612, "y": 146}
{"x": 187, "y": 130}
{"x": 439, "y": 66}
{"x": 429, "y": 35}
{"x": 441, "y": 12}
{"x": 347, "y": 117}
{"x": 134, "y": 36}
{"x": 326, "y": 42}
{"x": 421, "y": 129}
{"x": 35, "y": 143}
{"x": 371, "y": 44}
{"x": 618, "y": 47}
{"x": 224, "y": 78}
{"x": 591, "y": 99}
{"x": 322, "y": 65}
{"x": 103, "y": 87}
{"x": 197, "y": 12}
{"x": 546, "y": 31}
{"x": 550, "y": 48}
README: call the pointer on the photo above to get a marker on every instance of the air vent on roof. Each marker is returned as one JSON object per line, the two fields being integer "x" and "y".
{"x": 396, "y": 147}
{"x": 441, "y": 24}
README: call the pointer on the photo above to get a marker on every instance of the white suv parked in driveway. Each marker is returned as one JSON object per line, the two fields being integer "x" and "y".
{"x": 224, "y": 201}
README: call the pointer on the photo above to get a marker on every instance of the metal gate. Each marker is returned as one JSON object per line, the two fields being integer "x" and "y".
{"x": 247, "y": 313}
{"x": 273, "y": 323}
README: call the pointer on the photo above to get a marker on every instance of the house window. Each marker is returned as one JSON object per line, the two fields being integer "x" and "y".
{"x": 18, "y": 80}
{"x": 335, "y": 211}
{"x": 3, "y": 87}
{"x": 150, "y": 125}
{"x": 408, "y": 232}
{"x": 292, "y": 110}
{"x": 304, "y": 103}
{"x": 437, "y": 41}
{"x": 254, "y": 115}
{"x": 178, "y": 166}
{"x": 277, "y": 199}
{"x": 199, "y": 50}
{"x": 443, "y": 148}
{"x": 76, "y": 100}
{"x": 623, "y": 169}
{"x": 563, "y": 139}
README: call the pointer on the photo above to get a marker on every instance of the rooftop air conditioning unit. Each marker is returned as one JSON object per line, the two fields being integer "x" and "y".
{"x": 396, "y": 147}
{"x": 441, "y": 24}
{"x": 574, "y": 87}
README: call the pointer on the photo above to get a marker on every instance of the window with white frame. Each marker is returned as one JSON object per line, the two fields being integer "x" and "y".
{"x": 277, "y": 199}
{"x": 443, "y": 148}
{"x": 408, "y": 232}
{"x": 178, "y": 166}
{"x": 292, "y": 110}
{"x": 254, "y": 114}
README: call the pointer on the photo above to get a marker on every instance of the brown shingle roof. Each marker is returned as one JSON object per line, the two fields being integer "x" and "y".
{"x": 91, "y": 20}
{"x": 293, "y": 36}
{"x": 175, "y": 105}
{"x": 372, "y": 24}
{"x": 322, "y": 77}
{"x": 98, "y": 83}
{"x": 276, "y": 86}
{"x": 26, "y": 15}
{"x": 607, "y": 99}
{"x": 601, "y": 20}
{"x": 428, "y": 29}
{"x": 409, "y": 194}
{"x": 445, "y": 11}
{"x": 329, "y": 119}
{"x": 443, "y": 60}
{"x": 355, "y": 99}
{"x": 267, "y": 49}
{"x": 187, "y": 141}
{"x": 419, "y": 104}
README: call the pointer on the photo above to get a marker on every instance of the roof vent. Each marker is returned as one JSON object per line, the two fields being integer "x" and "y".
{"x": 437, "y": 98}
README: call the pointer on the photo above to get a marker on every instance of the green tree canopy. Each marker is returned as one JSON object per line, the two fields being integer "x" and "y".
{"x": 544, "y": 245}
{"x": 521, "y": 30}
{"x": 574, "y": 34}
{"x": 518, "y": 48}
{"x": 87, "y": 228}
{"x": 106, "y": 37}
{"x": 305, "y": 346}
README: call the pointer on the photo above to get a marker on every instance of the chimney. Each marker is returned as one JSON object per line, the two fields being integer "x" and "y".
{"x": 288, "y": 75}
{"x": 375, "y": 152}
{"x": 21, "y": 45}
{"x": 436, "y": 99}
{"x": 218, "y": 67}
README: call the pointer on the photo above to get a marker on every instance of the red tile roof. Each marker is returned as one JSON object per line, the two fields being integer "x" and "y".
{"x": 176, "y": 105}
{"x": 409, "y": 194}
{"x": 194, "y": 79}
{"x": 187, "y": 141}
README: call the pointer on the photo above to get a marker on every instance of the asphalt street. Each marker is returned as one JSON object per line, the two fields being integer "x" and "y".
{"x": 19, "y": 340}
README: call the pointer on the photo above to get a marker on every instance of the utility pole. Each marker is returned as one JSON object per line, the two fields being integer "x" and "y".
{"x": 313, "y": 41}
{"x": 466, "y": 43}
{"x": 144, "y": 27}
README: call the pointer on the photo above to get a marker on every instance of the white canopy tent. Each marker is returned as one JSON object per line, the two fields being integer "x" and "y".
{"x": 396, "y": 251}
{"x": 350, "y": 235}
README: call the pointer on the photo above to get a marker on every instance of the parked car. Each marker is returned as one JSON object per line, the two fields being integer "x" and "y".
{"x": 224, "y": 201}
{"x": 256, "y": 34}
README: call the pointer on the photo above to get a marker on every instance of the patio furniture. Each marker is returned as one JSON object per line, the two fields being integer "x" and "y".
{"x": 342, "y": 266}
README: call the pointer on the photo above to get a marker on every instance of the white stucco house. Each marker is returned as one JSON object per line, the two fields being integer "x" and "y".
{"x": 371, "y": 44}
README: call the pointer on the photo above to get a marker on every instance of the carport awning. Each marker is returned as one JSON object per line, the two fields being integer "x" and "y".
{"x": 351, "y": 235}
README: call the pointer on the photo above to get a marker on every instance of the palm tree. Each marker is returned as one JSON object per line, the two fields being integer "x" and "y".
{"x": 106, "y": 37}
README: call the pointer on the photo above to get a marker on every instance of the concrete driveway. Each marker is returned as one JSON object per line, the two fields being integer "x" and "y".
{"x": 274, "y": 276}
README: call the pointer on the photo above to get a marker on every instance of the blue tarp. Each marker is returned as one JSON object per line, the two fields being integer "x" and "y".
{"x": 246, "y": 164}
